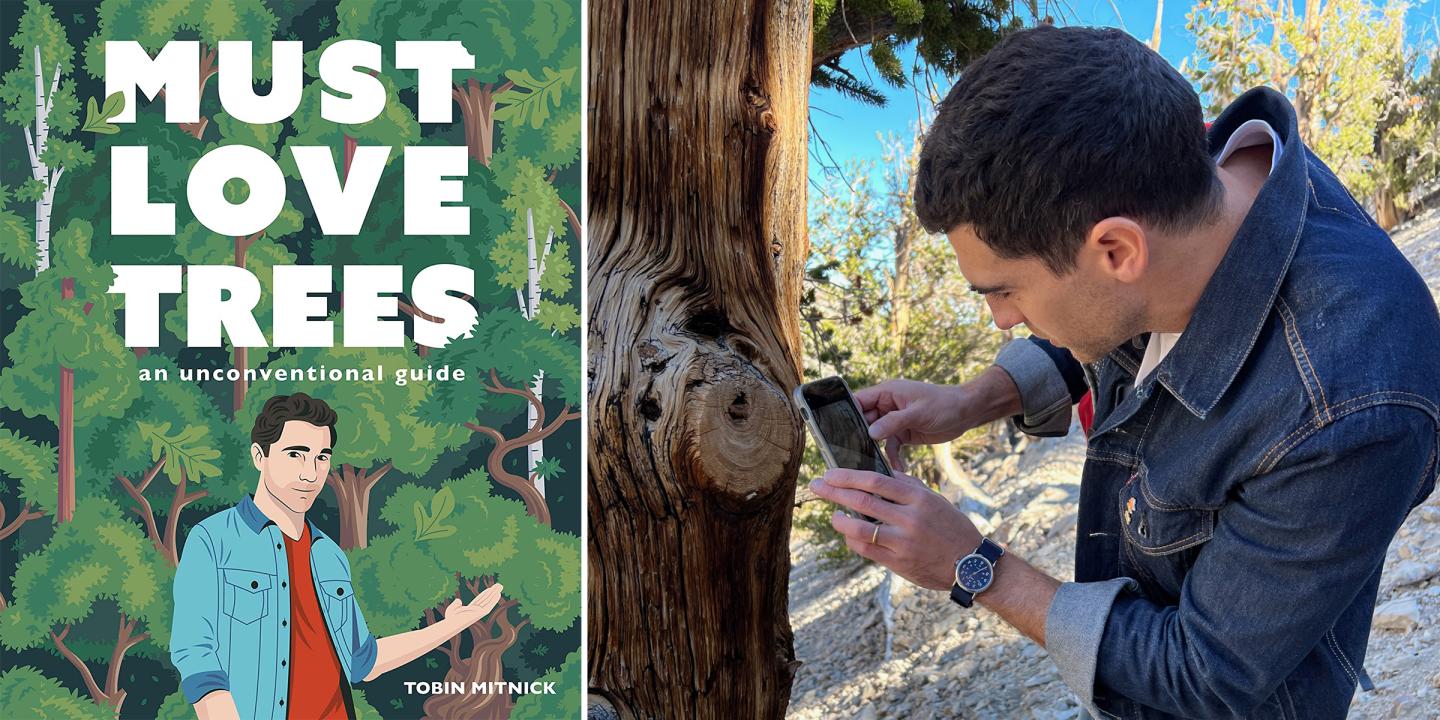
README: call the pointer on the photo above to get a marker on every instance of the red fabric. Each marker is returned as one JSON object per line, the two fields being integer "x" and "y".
{"x": 315, "y": 675}
{"x": 1087, "y": 413}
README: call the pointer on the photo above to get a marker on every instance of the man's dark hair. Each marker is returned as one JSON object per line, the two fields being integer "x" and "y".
{"x": 270, "y": 423}
{"x": 1056, "y": 129}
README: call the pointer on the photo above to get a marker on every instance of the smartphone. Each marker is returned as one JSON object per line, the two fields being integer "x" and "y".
{"x": 835, "y": 420}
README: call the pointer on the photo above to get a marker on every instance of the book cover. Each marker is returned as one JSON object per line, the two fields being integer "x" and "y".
{"x": 289, "y": 394}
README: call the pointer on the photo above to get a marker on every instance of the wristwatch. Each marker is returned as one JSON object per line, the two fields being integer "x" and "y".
{"x": 975, "y": 572}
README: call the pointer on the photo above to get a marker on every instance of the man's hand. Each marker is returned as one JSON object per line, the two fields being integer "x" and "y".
{"x": 920, "y": 537}
{"x": 908, "y": 412}
{"x": 921, "y": 534}
{"x": 464, "y": 615}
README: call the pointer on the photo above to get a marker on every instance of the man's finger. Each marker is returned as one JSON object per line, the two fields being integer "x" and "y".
{"x": 891, "y": 423}
{"x": 900, "y": 489}
{"x": 892, "y": 451}
{"x": 850, "y": 528}
{"x": 859, "y": 501}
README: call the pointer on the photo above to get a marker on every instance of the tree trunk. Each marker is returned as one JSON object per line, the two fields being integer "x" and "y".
{"x": 208, "y": 68}
{"x": 529, "y": 305}
{"x": 65, "y": 497}
{"x": 489, "y": 641}
{"x": 352, "y": 488}
{"x": 697, "y": 182}
{"x": 350, "y": 145}
{"x": 477, "y": 111}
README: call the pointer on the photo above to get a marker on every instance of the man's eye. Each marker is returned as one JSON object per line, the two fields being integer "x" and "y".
{"x": 324, "y": 458}
{"x": 294, "y": 454}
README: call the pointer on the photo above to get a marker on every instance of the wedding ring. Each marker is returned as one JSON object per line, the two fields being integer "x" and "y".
{"x": 875, "y": 534}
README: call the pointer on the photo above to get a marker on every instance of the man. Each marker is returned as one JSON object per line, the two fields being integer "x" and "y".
{"x": 1263, "y": 364}
{"x": 266, "y": 622}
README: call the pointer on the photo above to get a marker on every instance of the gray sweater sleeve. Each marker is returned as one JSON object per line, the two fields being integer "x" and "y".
{"x": 1043, "y": 393}
{"x": 1074, "y": 627}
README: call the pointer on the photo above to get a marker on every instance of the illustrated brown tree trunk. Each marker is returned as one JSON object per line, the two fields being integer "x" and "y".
{"x": 696, "y": 254}
{"x": 477, "y": 110}
{"x": 352, "y": 487}
{"x": 65, "y": 493}
{"x": 241, "y": 355}
{"x": 350, "y": 145}
{"x": 208, "y": 68}
{"x": 112, "y": 694}
{"x": 489, "y": 639}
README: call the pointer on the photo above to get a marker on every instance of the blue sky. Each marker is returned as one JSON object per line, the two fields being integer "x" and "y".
{"x": 849, "y": 128}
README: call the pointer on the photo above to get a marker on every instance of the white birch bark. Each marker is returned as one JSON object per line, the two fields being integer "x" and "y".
{"x": 35, "y": 146}
{"x": 529, "y": 305}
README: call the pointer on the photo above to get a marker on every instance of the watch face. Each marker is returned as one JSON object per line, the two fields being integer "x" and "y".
{"x": 974, "y": 573}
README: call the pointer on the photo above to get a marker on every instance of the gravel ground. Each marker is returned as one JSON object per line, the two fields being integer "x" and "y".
{"x": 948, "y": 663}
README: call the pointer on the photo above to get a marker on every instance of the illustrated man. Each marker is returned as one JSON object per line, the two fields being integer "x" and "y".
{"x": 266, "y": 621}
{"x": 1262, "y": 362}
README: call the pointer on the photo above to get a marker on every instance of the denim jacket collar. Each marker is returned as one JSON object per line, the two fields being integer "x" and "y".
{"x": 256, "y": 520}
{"x": 1233, "y": 308}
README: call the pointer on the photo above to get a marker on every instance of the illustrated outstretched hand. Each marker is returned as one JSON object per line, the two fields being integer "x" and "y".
{"x": 475, "y": 610}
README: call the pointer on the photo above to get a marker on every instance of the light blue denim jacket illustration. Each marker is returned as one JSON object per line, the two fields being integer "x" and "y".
{"x": 231, "y": 629}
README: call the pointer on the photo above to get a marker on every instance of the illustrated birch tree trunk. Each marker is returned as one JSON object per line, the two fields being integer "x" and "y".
{"x": 696, "y": 253}
{"x": 529, "y": 305}
{"x": 48, "y": 176}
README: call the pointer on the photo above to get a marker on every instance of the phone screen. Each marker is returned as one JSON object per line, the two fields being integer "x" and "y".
{"x": 842, "y": 429}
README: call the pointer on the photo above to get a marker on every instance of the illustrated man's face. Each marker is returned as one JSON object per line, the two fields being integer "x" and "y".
{"x": 296, "y": 465}
{"x": 1075, "y": 311}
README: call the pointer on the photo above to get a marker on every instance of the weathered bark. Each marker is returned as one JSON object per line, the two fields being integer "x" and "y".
{"x": 696, "y": 253}
{"x": 352, "y": 487}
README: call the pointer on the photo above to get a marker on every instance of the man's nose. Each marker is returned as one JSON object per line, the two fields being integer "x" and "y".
{"x": 1006, "y": 315}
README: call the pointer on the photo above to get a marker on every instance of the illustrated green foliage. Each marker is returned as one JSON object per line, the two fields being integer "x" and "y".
{"x": 429, "y": 525}
{"x": 98, "y": 120}
{"x": 153, "y": 24}
{"x": 77, "y": 333}
{"x": 186, "y": 452}
{"x": 517, "y": 349}
{"x": 531, "y": 99}
{"x": 16, "y": 243}
{"x": 101, "y": 555}
{"x": 549, "y": 468}
{"x": 398, "y": 577}
{"x": 45, "y": 698}
{"x": 540, "y": 706}
{"x": 31, "y": 466}
{"x": 39, "y": 28}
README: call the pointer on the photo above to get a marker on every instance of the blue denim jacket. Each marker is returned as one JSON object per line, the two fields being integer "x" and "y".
{"x": 1236, "y": 507}
{"x": 231, "y": 629}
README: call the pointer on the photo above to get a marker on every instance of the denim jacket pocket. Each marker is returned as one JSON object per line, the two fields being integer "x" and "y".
{"x": 246, "y": 592}
{"x": 1161, "y": 538}
{"x": 339, "y": 599}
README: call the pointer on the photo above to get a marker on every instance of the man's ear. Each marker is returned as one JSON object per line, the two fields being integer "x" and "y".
{"x": 1119, "y": 247}
{"x": 256, "y": 455}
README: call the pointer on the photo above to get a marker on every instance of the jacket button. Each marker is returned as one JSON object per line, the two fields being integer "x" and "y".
{"x": 283, "y": 623}
{"x": 339, "y": 591}
{"x": 283, "y": 584}
{"x": 254, "y": 584}
{"x": 282, "y": 702}
{"x": 277, "y": 546}
{"x": 282, "y": 663}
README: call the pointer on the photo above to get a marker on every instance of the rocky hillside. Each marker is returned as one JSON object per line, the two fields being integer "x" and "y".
{"x": 948, "y": 663}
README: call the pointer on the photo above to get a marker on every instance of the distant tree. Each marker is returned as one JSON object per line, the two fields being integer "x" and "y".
{"x": 1330, "y": 57}
{"x": 1407, "y": 139}
{"x": 30, "y": 467}
{"x": 27, "y": 687}
{"x": 948, "y": 35}
{"x": 44, "y": 55}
